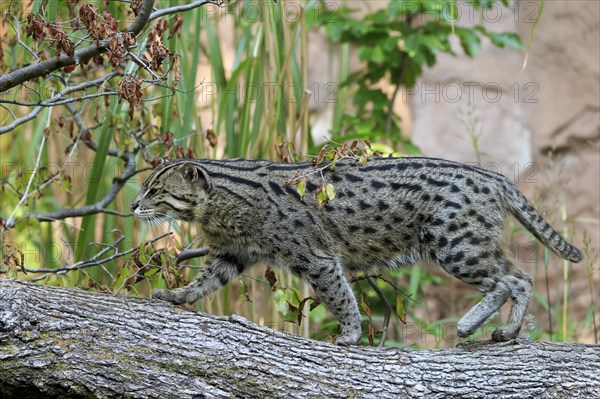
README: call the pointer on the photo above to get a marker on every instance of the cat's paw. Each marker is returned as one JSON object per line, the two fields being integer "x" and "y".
{"x": 463, "y": 330}
{"x": 505, "y": 334}
{"x": 349, "y": 339}
{"x": 176, "y": 296}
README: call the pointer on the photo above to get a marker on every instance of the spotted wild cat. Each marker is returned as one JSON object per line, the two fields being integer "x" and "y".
{"x": 388, "y": 213}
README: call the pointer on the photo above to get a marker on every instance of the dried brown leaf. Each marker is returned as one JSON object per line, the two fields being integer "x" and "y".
{"x": 98, "y": 60}
{"x": 130, "y": 90}
{"x": 61, "y": 40}
{"x": 99, "y": 25}
{"x": 371, "y": 335}
{"x": 283, "y": 151}
{"x": 211, "y": 137}
{"x": 167, "y": 138}
{"x": 111, "y": 23}
{"x": 270, "y": 276}
{"x": 136, "y": 6}
{"x": 176, "y": 27}
{"x": 158, "y": 53}
{"x": 160, "y": 28}
{"x": 175, "y": 68}
{"x": 34, "y": 28}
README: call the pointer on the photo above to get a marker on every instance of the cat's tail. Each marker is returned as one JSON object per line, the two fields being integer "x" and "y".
{"x": 526, "y": 214}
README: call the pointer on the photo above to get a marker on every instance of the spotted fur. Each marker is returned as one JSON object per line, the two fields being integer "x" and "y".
{"x": 388, "y": 213}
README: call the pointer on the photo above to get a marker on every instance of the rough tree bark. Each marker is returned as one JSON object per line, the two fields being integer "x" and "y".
{"x": 57, "y": 342}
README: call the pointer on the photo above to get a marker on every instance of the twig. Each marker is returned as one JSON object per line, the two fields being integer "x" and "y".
{"x": 191, "y": 253}
{"x": 142, "y": 18}
{"x": 21, "y": 120}
{"x": 184, "y": 7}
{"x": 83, "y": 129}
{"x": 46, "y": 103}
{"x": 96, "y": 260}
{"x": 59, "y": 174}
{"x": 18, "y": 32}
{"x": 386, "y": 306}
{"x": 52, "y": 100}
{"x": 10, "y": 221}
{"x": 100, "y": 206}
{"x": 144, "y": 65}
{"x": 9, "y": 111}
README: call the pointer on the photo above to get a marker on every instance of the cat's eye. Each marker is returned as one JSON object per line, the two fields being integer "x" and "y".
{"x": 151, "y": 192}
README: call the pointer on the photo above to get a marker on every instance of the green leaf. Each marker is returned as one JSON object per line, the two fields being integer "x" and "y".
{"x": 301, "y": 187}
{"x": 485, "y": 4}
{"x": 286, "y": 303}
{"x": 509, "y": 39}
{"x": 469, "y": 40}
{"x": 400, "y": 308}
{"x": 378, "y": 55}
{"x": 244, "y": 291}
{"x": 434, "y": 43}
{"x": 398, "y": 8}
{"x": 280, "y": 301}
{"x": 66, "y": 185}
{"x": 379, "y": 17}
{"x": 374, "y": 54}
{"x": 321, "y": 198}
{"x": 330, "y": 190}
{"x": 411, "y": 46}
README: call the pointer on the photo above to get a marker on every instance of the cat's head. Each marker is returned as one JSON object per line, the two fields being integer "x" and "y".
{"x": 174, "y": 190}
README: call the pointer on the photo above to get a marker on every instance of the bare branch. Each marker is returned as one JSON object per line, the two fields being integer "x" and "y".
{"x": 100, "y": 206}
{"x": 9, "y": 111}
{"x": 52, "y": 100}
{"x": 183, "y": 7}
{"x": 144, "y": 65}
{"x": 22, "y": 75}
{"x": 96, "y": 260}
{"x": 142, "y": 18}
{"x": 386, "y": 306}
{"x": 71, "y": 151}
{"x": 17, "y": 30}
{"x": 57, "y": 102}
{"x": 21, "y": 120}
{"x": 191, "y": 253}
{"x": 33, "y": 71}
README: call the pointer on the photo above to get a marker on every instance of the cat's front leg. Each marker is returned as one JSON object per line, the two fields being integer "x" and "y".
{"x": 217, "y": 272}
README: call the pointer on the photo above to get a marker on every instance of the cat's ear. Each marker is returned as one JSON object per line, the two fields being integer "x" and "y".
{"x": 195, "y": 174}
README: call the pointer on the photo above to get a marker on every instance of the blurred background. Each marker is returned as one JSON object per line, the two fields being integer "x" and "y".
{"x": 510, "y": 86}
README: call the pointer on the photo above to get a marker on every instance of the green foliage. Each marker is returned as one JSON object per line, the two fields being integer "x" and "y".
{"x": 396, "y": 44}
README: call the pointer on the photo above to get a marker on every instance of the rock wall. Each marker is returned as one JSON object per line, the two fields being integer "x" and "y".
{"x": 539, "y": 126}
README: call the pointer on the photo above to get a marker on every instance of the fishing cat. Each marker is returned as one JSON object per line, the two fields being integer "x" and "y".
{"x": 388, "y": 213}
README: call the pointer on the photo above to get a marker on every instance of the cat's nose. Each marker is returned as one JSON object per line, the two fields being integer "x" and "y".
{"x": 134, "y": 205}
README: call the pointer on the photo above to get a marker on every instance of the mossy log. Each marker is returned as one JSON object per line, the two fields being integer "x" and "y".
{"x": 67, "y": 343}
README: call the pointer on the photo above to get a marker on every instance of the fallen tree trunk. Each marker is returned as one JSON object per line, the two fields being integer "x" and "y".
{"x": 57, "y": 342}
